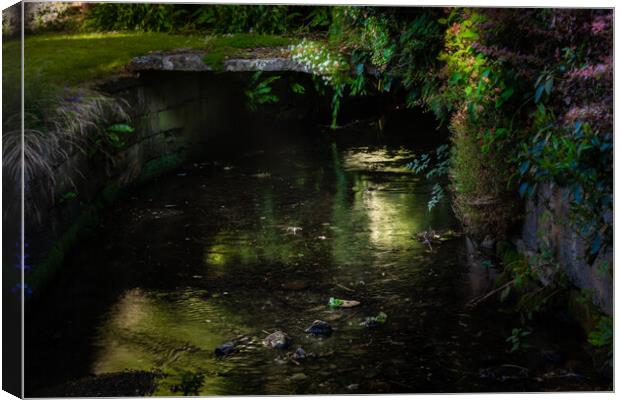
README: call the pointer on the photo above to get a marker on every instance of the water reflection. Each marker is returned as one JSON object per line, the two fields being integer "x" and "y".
{"x": 264, "y": 244}
{"x": 300, "y": 240}
{"x": 171, "y": 332}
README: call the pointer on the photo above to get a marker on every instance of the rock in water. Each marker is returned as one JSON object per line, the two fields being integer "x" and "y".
{"x": 319, "y": 327}
{"x": 277, "y": 340}
{"x": 225, "y": 350}
{"x": 299, "y": 354}
{"x": 299, "y": 376}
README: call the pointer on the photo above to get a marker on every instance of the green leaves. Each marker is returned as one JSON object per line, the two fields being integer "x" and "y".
{"x": 260, "y": 92}
{"x": 579, "y": 160}
{"x": 516, "y": 339}
{"x": 68, "y": 196}
{"x": 298, "y": 88}
{"x": 440, "y": 166}
{"x": 544, "y": 84}
{"x": 603, "y": 334}
{"x": 436, "y": 196}
{"x": 120, "y": 128}
{"x": 115, "y": 132}
{"x": 469, "y": 34}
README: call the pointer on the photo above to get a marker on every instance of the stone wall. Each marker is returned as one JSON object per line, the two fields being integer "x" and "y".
{"x": 547, "y": 217}
{"x": 177, "y": 117}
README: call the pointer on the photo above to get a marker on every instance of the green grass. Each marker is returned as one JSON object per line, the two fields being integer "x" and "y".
{"x": 70, "y": 59}
{"x": 60, "y": 59}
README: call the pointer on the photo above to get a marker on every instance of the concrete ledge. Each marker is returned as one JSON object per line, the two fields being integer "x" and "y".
{"x": 193, "y": 61}
{"x": 267, "y": 64}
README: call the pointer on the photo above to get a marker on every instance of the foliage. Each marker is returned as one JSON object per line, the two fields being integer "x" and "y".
{"x": 275, "y": 19}
{"x": 134, "y": 16}
{"x": 70, "y": 195}
{"x": 114, "y": 135}
{"x": 190, "y": 384}
{"x": 532, "y": 285}
{"x": 566, "y": 108}
{"x": 260, "y": 91}
{"x": 525, "y": 91}
{"x": 603, "y": 334}
{"x": 319, "y": 18}
{"x": 329, "y": 65}
{"x": 319, "y": 59}
{"x": 438, "y": 171}
{"x": 516, "y": 339}
{"x": 297, "y": 88}
{"x": 56, "y": 124}
{"x": 580, "y": 160}
{"x": 216, "y": 19}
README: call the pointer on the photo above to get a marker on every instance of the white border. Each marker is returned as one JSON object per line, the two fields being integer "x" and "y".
{"x": 470, "y": 3}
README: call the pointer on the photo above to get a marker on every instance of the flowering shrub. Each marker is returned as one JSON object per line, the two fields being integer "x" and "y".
{"x": 526, "y": 91}
{"x": 319, "y": 60}
{"x": 330, "y": 66}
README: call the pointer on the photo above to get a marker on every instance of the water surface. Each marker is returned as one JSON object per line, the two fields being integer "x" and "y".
{"x": 239, "y": 245}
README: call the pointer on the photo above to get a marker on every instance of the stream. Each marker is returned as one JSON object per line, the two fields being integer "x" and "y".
{"x": 245, "y": 243}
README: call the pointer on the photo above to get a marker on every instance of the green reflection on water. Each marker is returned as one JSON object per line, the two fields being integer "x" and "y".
{"x": 171, "y": 333}
{"x": 372, "y": 210}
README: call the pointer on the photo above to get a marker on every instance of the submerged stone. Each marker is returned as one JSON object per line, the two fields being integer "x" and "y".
{"x": 319, "y": 327}
{"x": 299, "y": 354}
{"x": 300, "y": 376}
{"x": 277, "y": 340}
{"x": 225, "y": 350}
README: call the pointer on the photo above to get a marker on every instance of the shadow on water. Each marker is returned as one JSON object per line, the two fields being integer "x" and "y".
{"x": 259, "y": 240}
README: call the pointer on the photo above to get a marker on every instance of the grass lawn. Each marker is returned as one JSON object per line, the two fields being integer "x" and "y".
{"x": 69, "y": 59}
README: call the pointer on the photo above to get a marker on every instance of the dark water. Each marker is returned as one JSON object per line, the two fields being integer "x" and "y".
{"x": 208, "y": 254}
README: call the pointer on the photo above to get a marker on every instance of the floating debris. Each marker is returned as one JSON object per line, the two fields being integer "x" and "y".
{"x": 373, "y": 322}
{"x": 293, "y": 229}
{"x": 432, "y": 236}
{"x": 339, "y": 303}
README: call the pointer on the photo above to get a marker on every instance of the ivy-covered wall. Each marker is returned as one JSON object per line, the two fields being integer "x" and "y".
{"x": 547, "y": 229}
{"x": 527, "y": 96}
